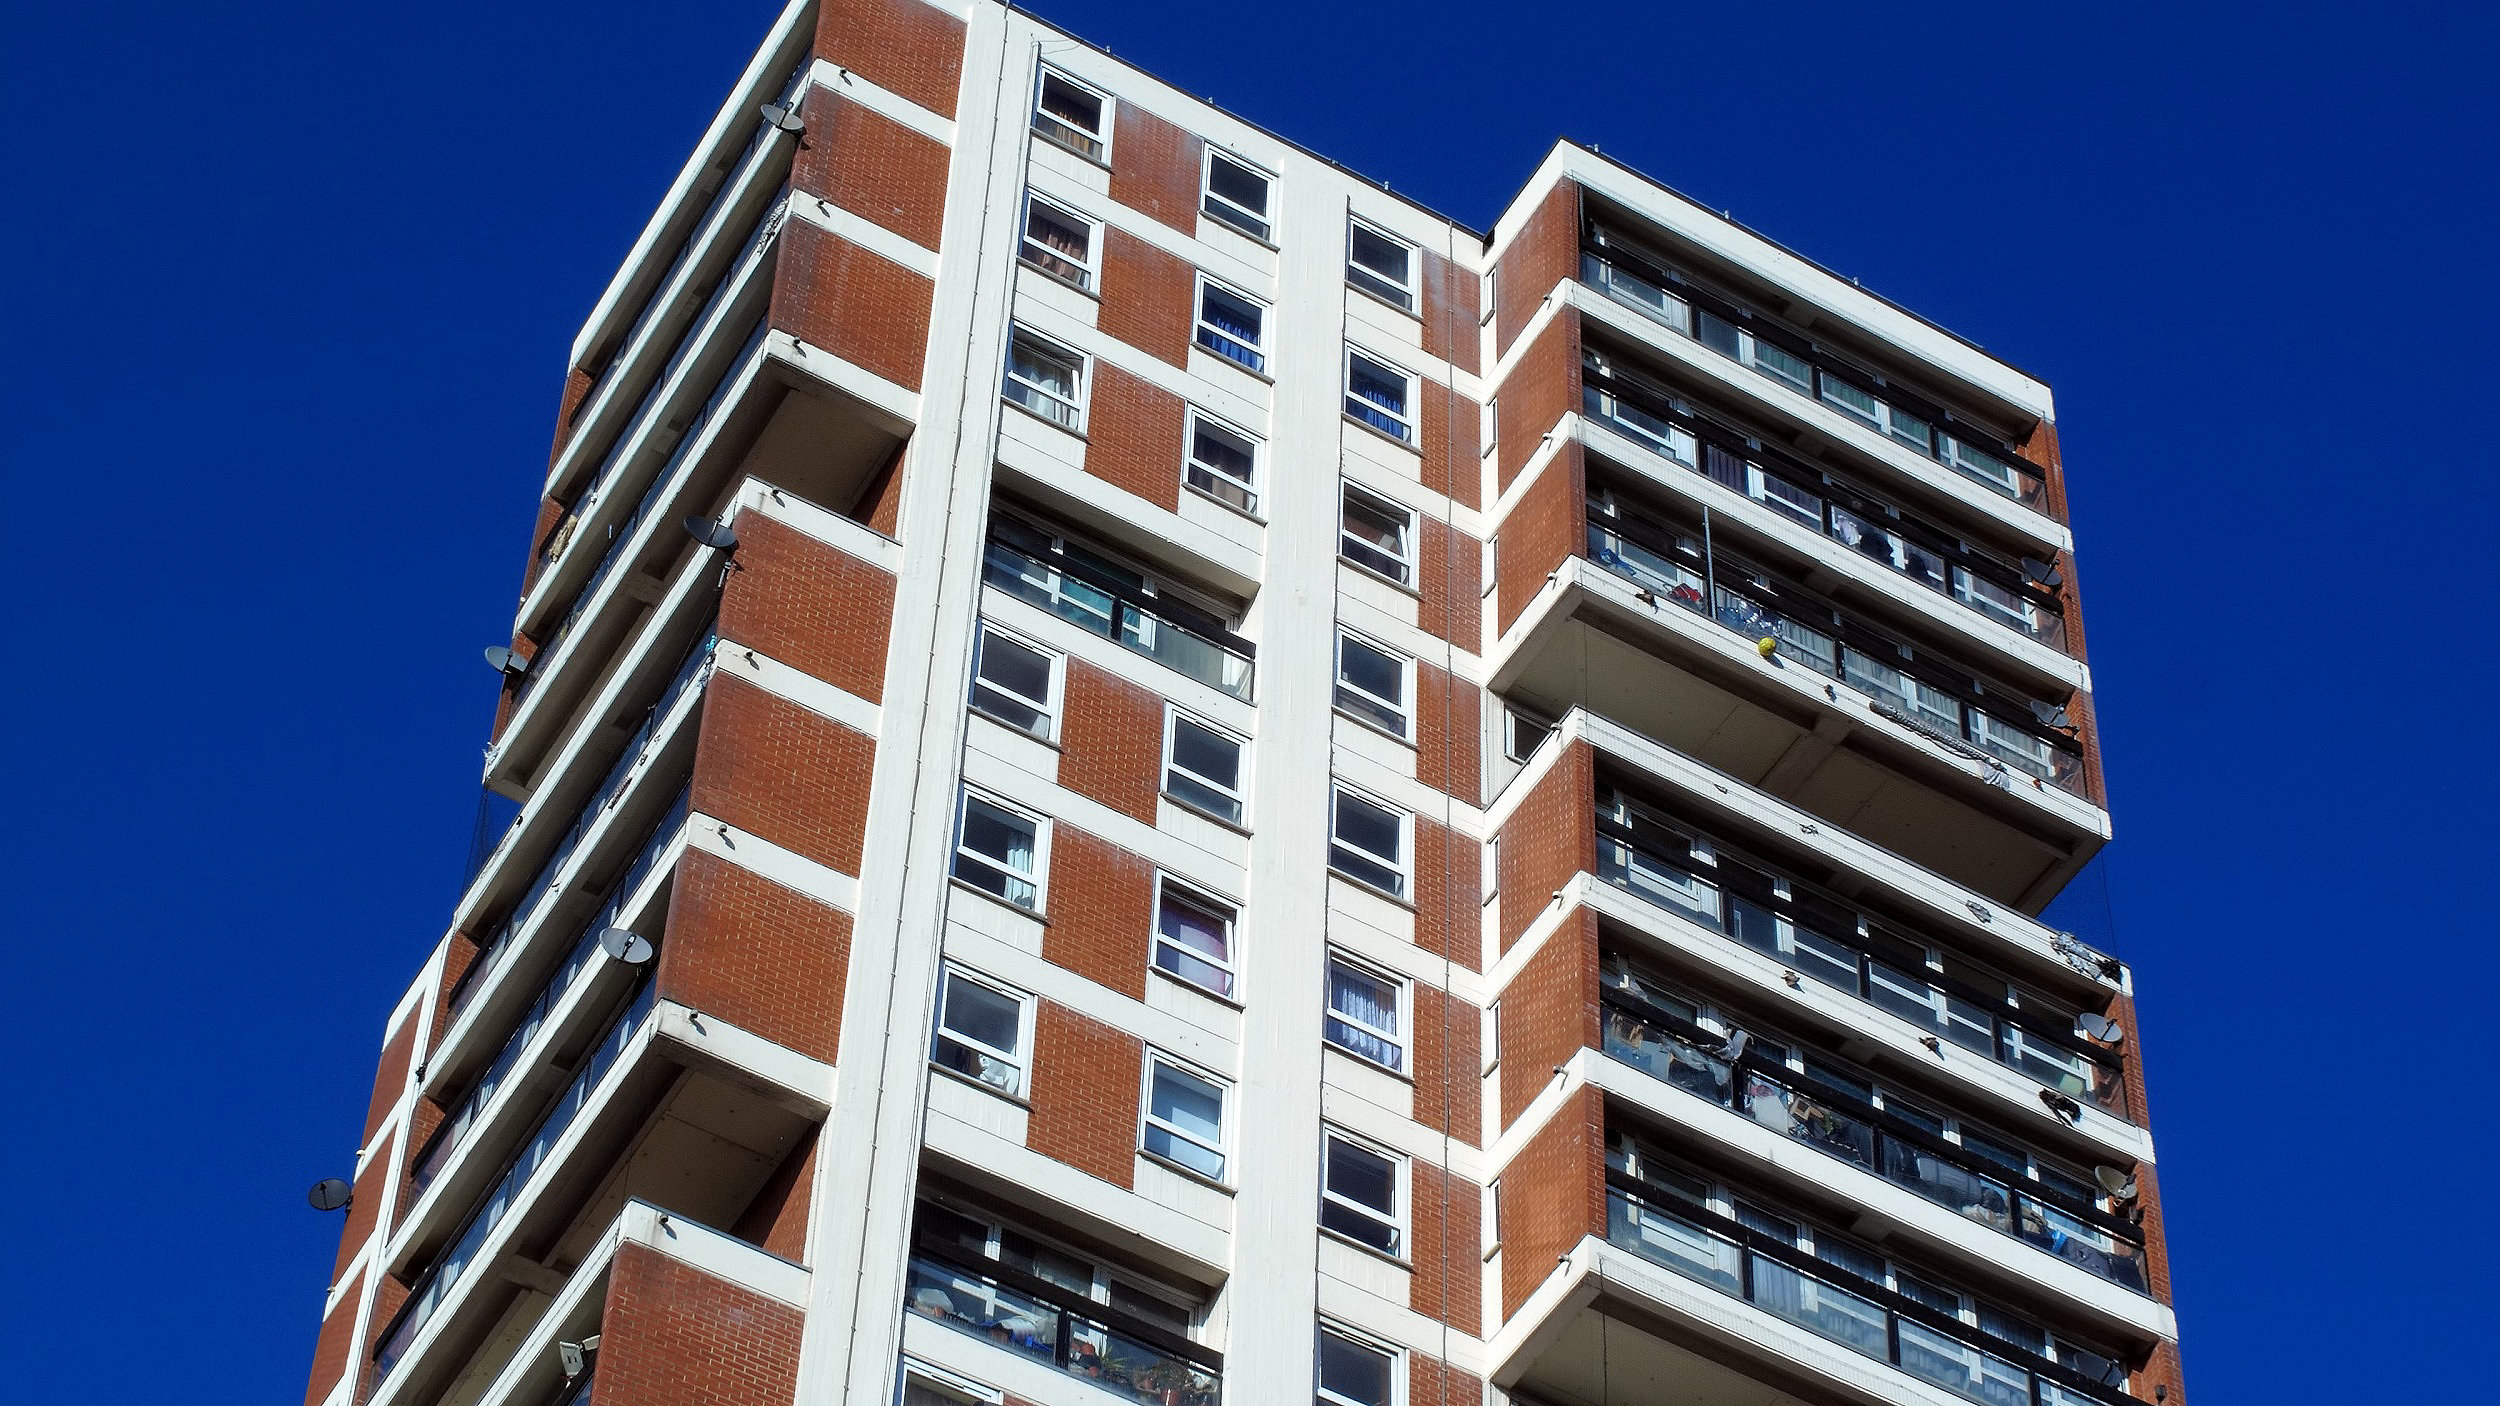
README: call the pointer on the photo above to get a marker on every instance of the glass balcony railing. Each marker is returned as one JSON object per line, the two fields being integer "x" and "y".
{"x": 1798, "y": 367}
{"x": 1980, "y": 718}
{"x": 1832, "y": 1122}
{"x": 1055, "y": 1328}
{"x": 1836, "y": 945}
{"x": 1941, "y": 562}
{"x": 1841, "y": 1307}
{"x": 1101, "y": 597}
{"x": 447, "y": 1271}
{"x": 455, "y": 1127}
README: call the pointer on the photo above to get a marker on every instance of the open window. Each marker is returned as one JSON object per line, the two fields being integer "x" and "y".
{"x": 1194, "y": 937}
{"x": 983, "y": 1031}
{"x": 1046, "y": 378}
{"x": 1380, "y": 395}
{"x": 1060, "y": 242}
{"x": 998, "y": 850}
{"x": 1015, "y": 683}
{"x": 1367, "y": 842}
{"x": 1223, "y": 462}
{"x": 1237, "y": 194}
{"x": 1380, "y": 264}
{"x": 1073, "y": 115}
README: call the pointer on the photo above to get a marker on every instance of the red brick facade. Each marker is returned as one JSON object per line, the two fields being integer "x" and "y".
{"x": 907, "y": 47}
{"x": 764, "y": 958}
{"x": 858, "y": 305}
{"x": 1448, "y": 893}
{"x": 1553, "y": 1195}
{"x": 1542, "y": 388}
{"x": 809, "y": 605}
{"x": 337, "y": 1339}
{"x": 1547, "y": 526}
{"x": 1448, "y": 1055}
{"x": 775, "y": 770}
{"x": 1450, "y": 305}
{"x": 1451, "y": 438}
{"x": 873, "y": 166}
{"x": 1102, "y": 909}
{"x": 1549, "y": 1012}
{"x": 1551, "y": 836}
{"x": 673, "y": 1335}
{"x": 1086, "y": 1078}
{"x": 1545, "y": 253}
{"x": 1446, "y": 1221}
{"x": 1155, "y": 167}
{"x": 1111, "y": 741}
{"x": 1449, "y": 571}
{"x": 1146, "y": 297}
{"x": 1133, "y": 432}
{"x": 1448, "y": 731}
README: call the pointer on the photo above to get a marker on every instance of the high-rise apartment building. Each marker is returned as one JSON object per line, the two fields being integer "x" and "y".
{"x": 1149, "y": 773}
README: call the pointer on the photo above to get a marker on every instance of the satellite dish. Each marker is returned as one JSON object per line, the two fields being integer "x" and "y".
{"x": 502, "y": 660}
{"x": 631, "y": 948}
{"x": 2043, "y": 573}
{"x": 328, "y": 1194}
{"x": 711, "y": 532}
{"x": 2116, "y": 1183}
{"x": 782, "y": 115}
{"x": 2099, "y": 1027}
{"x": 2049, "y": 714}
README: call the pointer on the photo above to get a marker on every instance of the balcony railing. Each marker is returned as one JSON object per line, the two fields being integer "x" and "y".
{"x": 1941, "y": 562}
{"x": 1842, "y": 948}
{"x": 1978, "y": 717}
{"x": 455, "y": 1128}
{"x": 1082, "y": 589}
{"x": 1834, "y": 1122}
{"x": 1834, "y": 1304}
{"x": 1799, "y": 367}
{"x": 1032, "y": 1316}
{"x": 436, "y": 1287}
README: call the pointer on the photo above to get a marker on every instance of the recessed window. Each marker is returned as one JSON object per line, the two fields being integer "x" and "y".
{"x": 1073, "y": 115}
{"x": 1014, "y": 683}
{"x": 983, "y": 1030}
{"x": 1372, "y": 684}
{"x": 1059, "y": 242}
{"x": 1523, "y": 733}
{"x": 1232, "y": 325}
{"x": 1194, "y": 937}
{"x": 1363, "y": 1013}
{"x": 1367, "y": 843}
{"x": 1380, "y": 264}
{"x": 1184, "y": 1118}
{"x": 1223, "y": 462}
{"x": 1202, "y": 767}
{"x": 1359, "y": 1195}
{"x": 999, "y": 851}
{"x": 1046, "y": 378}
{"x": 1378, "y": 536}
{"x": 1380, "y": 395}
{"x": 1355, "y": 1373}
{"x": 1237, "y": 194}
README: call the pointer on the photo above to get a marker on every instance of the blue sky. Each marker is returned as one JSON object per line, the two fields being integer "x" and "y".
{"x": 287, "y": 293}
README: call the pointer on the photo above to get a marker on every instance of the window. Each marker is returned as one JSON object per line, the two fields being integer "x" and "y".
{"x": 1184, "y": 1119}
{"x": 1523, "y": 733}
{"x": 1371, "y": 684}
{"x": 1202, "y": 768}
{"x": 1237, "y": 194}
{"x": 1378, "y": 536}
{"x": 1734, "y": 342}
{"x": 1194, "y": 938}
{"x": 1363, "y": 1008}
{"x": 1355, "y": 1373}
{"x": 1059, "y": 242}
{"x": 1231, "y": 325}
{"x": 1045, "y": 378}
{"x": 1359, "y": 1195}
{"x": 998, "y": 851}
{"x": 1380, "y": 265}
{"x": 1223, "y": 462}
{"x": 1073, "y": 115}
{"x": 1380, "y": 395}
{"x": 1015, "y": 683}
{"x": 981, "y": 1031}
{"x": 1367, "y": 843}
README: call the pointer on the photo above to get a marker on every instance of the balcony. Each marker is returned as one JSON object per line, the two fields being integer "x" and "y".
{"x": 1101, "y": 596}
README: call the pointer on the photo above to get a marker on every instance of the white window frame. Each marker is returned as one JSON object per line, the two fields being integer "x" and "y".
{"x": 1201, "y": 329}
{"x": 1019, "y": 1059}
{"x": 1513, "y": 716}
{"x": 1099, "y": 141}
{"x": 1403, "y": 865}
{"x": 1407, "y": 297}
{"x": 947, "y": 1388}
{"x": 1039, "y": 879}
{"x": 1192, "y": 465}
{"x": 1404, "y": 708}
{"x": 1173, "y": 717}
{"x": 1055, "y": 689}
{"x": 1156, "y": 1062}
{"x": 1089, "y": 268}
{"x": 1395, "y": 1219}
{"x": 1407, "y": 433}
{"x": 1208, "y": 200}
{"x": 1367, "y": 1343}
{"x": 1402, "y": 1003}
{"x": 1073, "y": 404}
{"x": 1405, "y": 557}
{"x": 1167, "y": 887}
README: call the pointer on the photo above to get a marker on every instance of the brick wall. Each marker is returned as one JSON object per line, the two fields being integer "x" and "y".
{"x": 1541, "y": 388}
{"x": 1449, "y": 571}
{"x": 1546, "y": 252}
{"x": 1547, "y": 526}
{"x": 1101, "y": 911}
{"x": 1549, "y": 838}
{"x": 880, "y": 505}
{"x": 765, "y": 958}
{"x": 1085, "y": 1094}
{"x": 1549, "y": 1012}
{"x": 1449, "y": 1053}
{"x": 814, "y": 607}
{"x": 675, "y": 1336}
{"x": 552, "y": 515}
{"x": 1133, "y": 433}
{"x": 390, "y": 1294}
{"x": 858, "y": 305}
{"x": 1448, "y": 732}
{"x": 776, "y": 1220}
{"x": 1433, "y": 1382}
{"x": 1553, "y": 1195}
{"x": 1451, "y": 439}
{"x": 774, "y": 769}
{"x": 364, "y": 1210}
{"x": 336, "y": 1340}
{"x": 459, "y": 950}
{"x": 873, "y": 166}
{"x": 576, "y": 393}
{"x": 1146, "y": 297}
{"x": 1445, "y": 1218}
{"x": 1449, "y": 899}
{"x": 390, "y": 1078}
{"x": 906, "y": 47}
{"x": 1450, "y": 310}
{"x": 1155, "y": 167}
{"x": 1111, "y": 741}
